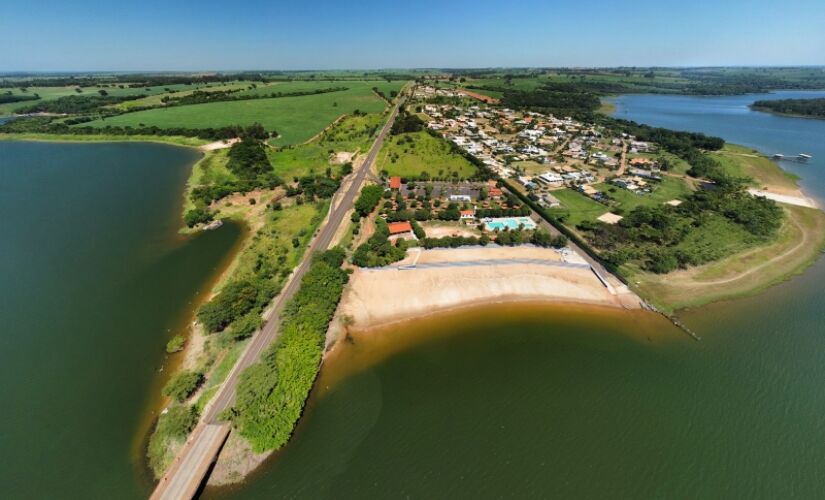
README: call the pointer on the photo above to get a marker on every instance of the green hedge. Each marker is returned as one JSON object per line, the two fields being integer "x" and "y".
{"x": 272, "y": 392}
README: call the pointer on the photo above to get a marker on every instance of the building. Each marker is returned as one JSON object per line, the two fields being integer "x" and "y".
{"x": 395, "y": 182}
{"x": 398, "y": 228}
{"x": 468, "y": 214}
{"x": 549, "y": 200}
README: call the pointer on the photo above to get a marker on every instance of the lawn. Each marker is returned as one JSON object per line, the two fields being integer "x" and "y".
{"x": 411, "y": 154}
{"x": 576, "y": 207}
{"x": 671, "y": 188}
{"x": 296, "y": 119}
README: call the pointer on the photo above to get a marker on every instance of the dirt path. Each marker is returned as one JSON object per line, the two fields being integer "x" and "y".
{"x": 803, "y": 242}
{"x": 623, "y": 161}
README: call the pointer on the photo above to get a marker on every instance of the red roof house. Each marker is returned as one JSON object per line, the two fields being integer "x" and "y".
{"x": 395, "y": 182}
{"x": 399, "y": 228}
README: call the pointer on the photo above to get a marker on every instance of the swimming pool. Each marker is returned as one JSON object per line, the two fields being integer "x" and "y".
{"x": 499, "y": 223}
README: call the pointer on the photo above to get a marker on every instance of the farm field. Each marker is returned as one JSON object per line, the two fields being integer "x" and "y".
{"x": 295, "y": 119}
{"x": 412, "y": 154}
{"x": 311, "y": 85}
{"x": 51, "y": 93}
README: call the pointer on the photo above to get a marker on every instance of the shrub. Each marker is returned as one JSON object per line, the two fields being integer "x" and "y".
{"x": 175, "y": 344}
{"x": 182, "y": 385}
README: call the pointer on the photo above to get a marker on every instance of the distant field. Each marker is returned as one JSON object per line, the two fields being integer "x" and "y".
{"x": 309, "y": 86}
{"x": 408, "y": 155}
{"x": 296, "y": 119}
{"x": 51, "y": 93}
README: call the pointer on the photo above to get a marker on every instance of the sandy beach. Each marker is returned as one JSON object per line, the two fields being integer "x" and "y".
{"x": 431, "y": 281}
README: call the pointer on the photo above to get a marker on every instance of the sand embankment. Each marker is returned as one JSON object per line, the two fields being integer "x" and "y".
{"x": 797, "y": 198}
{"x": 432, "y": 281}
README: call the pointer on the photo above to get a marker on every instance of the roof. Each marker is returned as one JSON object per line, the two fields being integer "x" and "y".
{"x": 610, "y": 218}
{"x": 395, "y": 182}
{"x": 494, "y": 191}
{"x": 468, "y": 212}
{"x": 399, "y": 227}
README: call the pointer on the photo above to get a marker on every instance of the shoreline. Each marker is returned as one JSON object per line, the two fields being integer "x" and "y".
{"x": 787, "y": 115}
{"x": 441, "y": 280}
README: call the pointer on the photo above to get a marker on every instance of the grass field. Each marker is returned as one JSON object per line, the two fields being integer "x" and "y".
{"x": 296, "y": 119}
{"x": 669, "y": 189}
{"x": 352, "y": 134}
{"x": 309, "y": 86}
{"x": 799, "y": 243}
{"x": 745, "y": 162}
{"x": 576, "y": 207}
{"x": 155, "y": 99}
{"x": 409, "y": 155}
{"x": 52, "y": 93}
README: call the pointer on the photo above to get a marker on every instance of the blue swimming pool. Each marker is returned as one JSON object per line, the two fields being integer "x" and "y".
{"x": 500, "y": 223}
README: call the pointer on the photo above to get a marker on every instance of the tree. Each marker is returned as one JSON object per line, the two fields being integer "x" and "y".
{"x": 182, "y": 385}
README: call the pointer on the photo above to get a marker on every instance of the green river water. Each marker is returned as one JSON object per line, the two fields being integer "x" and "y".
{"x": 93, "y": 280}
{"x": 512, "y": 401}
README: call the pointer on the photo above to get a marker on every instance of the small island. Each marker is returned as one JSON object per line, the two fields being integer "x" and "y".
{"x": 805, "y": 108}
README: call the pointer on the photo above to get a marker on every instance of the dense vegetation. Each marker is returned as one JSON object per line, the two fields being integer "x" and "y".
{"x": 234, "y": 301}
{"x": 182, "y": 385}
{"x": 75, "y": 104}
{"x": 272, "y": 392}
{"x": 173, "y": 426}
{"x": 663, "y": 238}
{"x": 378, "y": 251}
{"x": 406, "y": 122}
{"x": 801, "y": 107}
{"x": 368, "y": 199}
{"x": 8, "y": 97}
{"x": 44, "y": 125}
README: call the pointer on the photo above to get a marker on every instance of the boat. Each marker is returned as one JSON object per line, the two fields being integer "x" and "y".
{"x": 778, "y": 156}
{"x": 803, "y": 156}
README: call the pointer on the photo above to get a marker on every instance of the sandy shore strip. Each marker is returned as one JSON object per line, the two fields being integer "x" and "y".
{"x": 212, "y": 146}
{"x": 432, "y": 281}
{"x": 800, "y": 201}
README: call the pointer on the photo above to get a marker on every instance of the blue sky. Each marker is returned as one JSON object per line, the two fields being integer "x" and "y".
{"x": 222, "y": 35}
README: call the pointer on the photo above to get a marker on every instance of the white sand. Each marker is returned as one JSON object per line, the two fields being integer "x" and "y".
{"x": 386, "y": 295}
{"x": 800, "y": 201}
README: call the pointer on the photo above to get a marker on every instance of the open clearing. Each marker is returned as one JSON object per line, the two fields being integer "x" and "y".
{"x": 411, "y": 154}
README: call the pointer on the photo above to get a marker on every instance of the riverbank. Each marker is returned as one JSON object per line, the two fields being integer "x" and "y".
{"x": 176, "y": 140}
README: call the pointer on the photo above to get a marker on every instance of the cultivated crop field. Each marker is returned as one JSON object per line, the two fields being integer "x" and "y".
{"x": 296, "y": 119}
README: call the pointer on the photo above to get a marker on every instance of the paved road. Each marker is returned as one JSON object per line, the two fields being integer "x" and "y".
{"x": 187, "y": 472}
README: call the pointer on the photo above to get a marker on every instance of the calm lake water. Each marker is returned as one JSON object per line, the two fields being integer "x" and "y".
{"x": 93, "y": 280}
{"x": 731, "y": 118}
{"x": 557, "y": 402}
